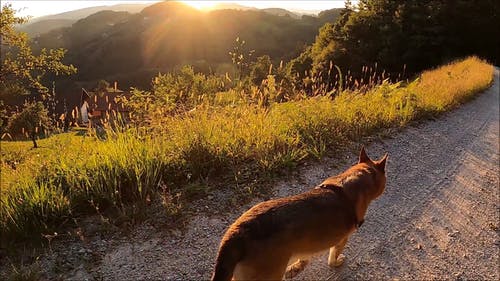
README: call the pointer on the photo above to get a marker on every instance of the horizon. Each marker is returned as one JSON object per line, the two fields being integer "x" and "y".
{"x": 36, "y": 9}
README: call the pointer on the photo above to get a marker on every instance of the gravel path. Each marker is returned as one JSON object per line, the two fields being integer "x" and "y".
{"x": 438, "y": 218}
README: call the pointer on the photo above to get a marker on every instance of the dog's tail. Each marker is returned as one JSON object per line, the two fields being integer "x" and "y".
{"x": 231, "y": 252}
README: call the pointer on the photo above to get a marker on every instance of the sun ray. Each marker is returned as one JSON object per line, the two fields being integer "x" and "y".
{"x": 200, "y": 5}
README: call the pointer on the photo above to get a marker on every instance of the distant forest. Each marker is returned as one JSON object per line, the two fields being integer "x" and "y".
{"x": 395, "y": 36}
{"x": 132, "y": 48}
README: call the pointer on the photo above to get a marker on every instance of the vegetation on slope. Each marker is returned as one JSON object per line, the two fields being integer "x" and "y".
{"x": 409, "y": 36}
{"x": 196, "y": 129}
{"x": 170, "y": 34}
{"x": 228, "y": 138}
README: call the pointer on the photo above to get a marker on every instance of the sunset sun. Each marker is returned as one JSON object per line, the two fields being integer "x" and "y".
{"x": 200, "y": 5}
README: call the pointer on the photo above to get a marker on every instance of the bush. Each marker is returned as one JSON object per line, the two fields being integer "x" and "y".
{"x": 173, "y": 93}
{"x": 32, "y": 121}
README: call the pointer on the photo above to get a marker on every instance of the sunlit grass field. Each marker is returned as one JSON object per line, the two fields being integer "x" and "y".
{"x": 73, "y": 174}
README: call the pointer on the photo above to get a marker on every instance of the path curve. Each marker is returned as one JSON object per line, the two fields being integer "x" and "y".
{"x": 439, "y": 217}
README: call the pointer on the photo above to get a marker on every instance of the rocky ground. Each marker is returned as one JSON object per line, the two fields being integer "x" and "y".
{"x": 439, "y": 217}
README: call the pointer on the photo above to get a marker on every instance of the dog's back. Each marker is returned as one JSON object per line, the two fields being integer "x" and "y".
{"x": 261, "y": 243}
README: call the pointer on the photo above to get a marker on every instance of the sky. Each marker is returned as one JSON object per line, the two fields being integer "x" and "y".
{"x": 42, "y": 8}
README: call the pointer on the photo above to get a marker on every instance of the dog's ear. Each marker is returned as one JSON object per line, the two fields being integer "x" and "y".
{"x": 380, "y": 164}
{"x": 363, "y": 157}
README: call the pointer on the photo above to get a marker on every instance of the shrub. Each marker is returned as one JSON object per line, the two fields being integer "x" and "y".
{"x": 32, "y": 121}
{"x": 173, "y": 93}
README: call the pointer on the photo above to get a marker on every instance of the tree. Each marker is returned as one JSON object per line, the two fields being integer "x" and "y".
{"x": 22, "y": 70}
{"x": 299, "y": 69}
{"x": 407, "y": 34}
{"x": 32, "y": 120}
{"x": 102, "y": 87}
{"x": 322, "y": 54}
{"x": 260, "y": 69}
{"x": 314, "y": 67}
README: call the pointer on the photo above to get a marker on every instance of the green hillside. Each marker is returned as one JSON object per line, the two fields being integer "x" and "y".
{"x": 134, "y": 47}
{"x": 41, "y": 25}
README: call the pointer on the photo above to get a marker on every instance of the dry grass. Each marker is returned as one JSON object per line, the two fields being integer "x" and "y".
{"x": 452, "y": 84}
{"x": 72, "y": 175}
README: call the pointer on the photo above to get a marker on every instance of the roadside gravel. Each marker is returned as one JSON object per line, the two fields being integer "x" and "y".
{"x": 439, "y": 217}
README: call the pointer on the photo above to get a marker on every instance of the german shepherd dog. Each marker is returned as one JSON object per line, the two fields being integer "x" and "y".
{"x": 275, "y": 239}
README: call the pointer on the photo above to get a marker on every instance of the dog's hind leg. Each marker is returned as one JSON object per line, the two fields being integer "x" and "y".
{"x": 336, "y": 258}
{"x": 296, "y": 268}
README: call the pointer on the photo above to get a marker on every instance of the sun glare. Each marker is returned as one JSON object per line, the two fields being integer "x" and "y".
{"x": 201, "y": 5}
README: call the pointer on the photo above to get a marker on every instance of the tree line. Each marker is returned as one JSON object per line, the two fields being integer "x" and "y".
{"x": 404, "y": 36}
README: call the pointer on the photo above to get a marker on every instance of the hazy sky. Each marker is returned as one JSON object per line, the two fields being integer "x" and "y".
{"x": 41, "y": 8}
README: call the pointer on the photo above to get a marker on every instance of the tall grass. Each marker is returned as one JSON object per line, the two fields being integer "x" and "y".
{"x": 70, "y": 175}
{"x": 450, "y": 85}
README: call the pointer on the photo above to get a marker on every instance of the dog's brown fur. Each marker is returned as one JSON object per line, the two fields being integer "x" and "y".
{"x": 274, "y": 239}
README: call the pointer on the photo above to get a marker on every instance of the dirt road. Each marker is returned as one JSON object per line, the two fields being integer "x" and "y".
{"x": 438, "y": 218}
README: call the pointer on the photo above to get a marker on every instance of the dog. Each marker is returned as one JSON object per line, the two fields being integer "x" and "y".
{"x": 275, "y": 239}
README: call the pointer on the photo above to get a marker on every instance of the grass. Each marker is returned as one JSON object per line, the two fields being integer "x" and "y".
{"x": 72, "y": 175}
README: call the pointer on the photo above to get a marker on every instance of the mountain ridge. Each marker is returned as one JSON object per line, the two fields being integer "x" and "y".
{"x": 40, "y": 25}
{"x": 133, "y": 48}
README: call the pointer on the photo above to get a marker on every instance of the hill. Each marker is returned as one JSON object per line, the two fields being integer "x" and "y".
{"x": 280, "y": 12}
{"x": 41, "y": 25}
{"x": 230, "y": 6}
{"x": 85, "y": 12}
{"x": 272, "y": 11}
{"x": 44, "y": 26}
{"x": 133, "y": 47}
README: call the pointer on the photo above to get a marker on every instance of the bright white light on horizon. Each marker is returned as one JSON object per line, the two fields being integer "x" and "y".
{"x": 201, "y": 5}
{"x": 292, "y": 5}
{"x": 43, "y": 8}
